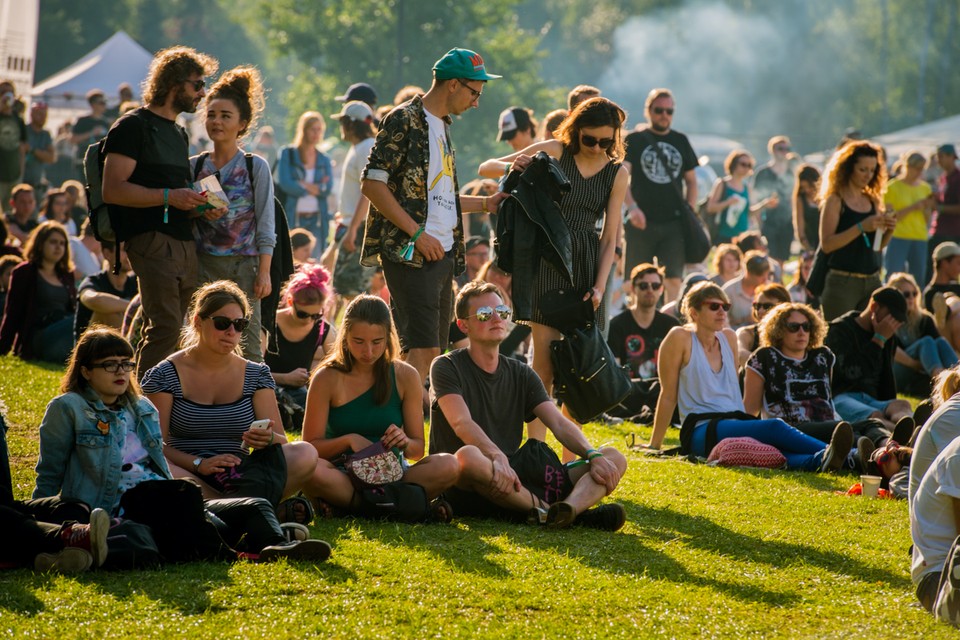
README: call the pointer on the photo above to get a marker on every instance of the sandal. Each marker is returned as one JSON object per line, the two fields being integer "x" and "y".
{"x": 295, "y": 509}
{"x": 560, "y": 515}
{"x": 440, "y": 511}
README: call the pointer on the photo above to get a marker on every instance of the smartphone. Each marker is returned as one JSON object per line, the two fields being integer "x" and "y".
{"x": 260, "y": 424}
{"x": 339, "y": 232}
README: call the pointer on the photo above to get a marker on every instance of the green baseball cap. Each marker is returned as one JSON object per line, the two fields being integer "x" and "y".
{"x": 461, "y": 63}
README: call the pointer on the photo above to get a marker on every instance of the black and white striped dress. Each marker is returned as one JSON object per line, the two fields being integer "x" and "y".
{"x": 582, "y": 209}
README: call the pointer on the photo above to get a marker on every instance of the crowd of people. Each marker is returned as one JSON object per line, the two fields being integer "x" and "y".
{"x": 344, "y": 300}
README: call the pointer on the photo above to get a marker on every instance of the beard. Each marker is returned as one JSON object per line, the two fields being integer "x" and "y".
{"x": 659, "y": 128}
{"x": 184, "y": 103}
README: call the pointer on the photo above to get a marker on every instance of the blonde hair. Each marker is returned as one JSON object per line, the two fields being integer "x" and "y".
{"x": 701, "y": 292}
{"x": 945, "y": 385}
{"x": 305, "y": 121}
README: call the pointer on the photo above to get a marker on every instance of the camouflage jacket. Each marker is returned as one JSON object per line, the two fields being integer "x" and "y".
{"x": 401, "y": 158}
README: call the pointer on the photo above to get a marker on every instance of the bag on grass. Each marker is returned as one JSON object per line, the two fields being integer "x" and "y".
{"x": 373, "y": 466}
{"x": 746, "y": 452}
{"x": 401, "y": 501}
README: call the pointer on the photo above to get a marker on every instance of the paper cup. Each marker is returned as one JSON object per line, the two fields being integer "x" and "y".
{"x": 871, "y": 485}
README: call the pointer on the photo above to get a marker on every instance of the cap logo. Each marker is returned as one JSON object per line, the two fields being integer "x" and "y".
{"x": 476, "y": 61}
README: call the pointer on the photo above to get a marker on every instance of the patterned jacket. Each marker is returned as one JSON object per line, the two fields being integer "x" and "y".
{"x": 400, "y": 158}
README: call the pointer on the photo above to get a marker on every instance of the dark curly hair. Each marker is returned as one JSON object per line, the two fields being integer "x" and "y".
{"x": 244, "y": 88}
{"x": 595, "y": 112}
{"x": 773, "y": 327}
{"x": 171, "y": 68}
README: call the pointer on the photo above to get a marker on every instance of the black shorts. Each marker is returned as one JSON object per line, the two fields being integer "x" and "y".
{"x": 422, "y": 302}
{"x": 779, "y": 238}
{"x": 262, "y": 474}
{"x": 663, "y": 240}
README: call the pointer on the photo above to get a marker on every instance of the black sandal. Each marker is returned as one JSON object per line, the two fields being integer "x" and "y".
{"x": 295, "y": 509}
{"x": 441, "y": 511}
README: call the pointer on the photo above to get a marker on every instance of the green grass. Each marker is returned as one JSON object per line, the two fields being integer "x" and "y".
{"x": 706, "y": 552}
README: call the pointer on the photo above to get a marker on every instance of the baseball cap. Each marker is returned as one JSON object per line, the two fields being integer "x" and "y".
{"x": 948, "y": 149}
{"x": 512, "y": 120}
{"x": 476, "y": 241}
{"x": 354, "y": 110}
{"x": 359, "y": 91}
{"x": 461, "y": 63}
{"x": 893, "y": 301}
{"x": 946, "y": 250}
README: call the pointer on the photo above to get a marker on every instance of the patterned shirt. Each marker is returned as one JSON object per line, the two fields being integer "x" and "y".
{"x": 400, "y": 158}
{"x": 797, "y": 391}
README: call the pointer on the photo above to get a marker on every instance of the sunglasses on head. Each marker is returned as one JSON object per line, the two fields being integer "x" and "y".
{"x": 793, "y": 327}
{"x": 662, "y": 110}
{"x": 222, "y": 323}
{"x": 485, "y": 313}
{"x": 197, "y": 84}
{"x": 303, "y": 315}
{"x": 591, "y": 141}
{"x": 716, "y": 306}
{"x": 114, "y": 366}
{"x": 764, "y": 306}
{"x": 643, "y": 286}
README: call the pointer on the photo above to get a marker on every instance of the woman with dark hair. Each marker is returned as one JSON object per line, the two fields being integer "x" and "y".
{"x": 806, "y": 207}
{"x": 363, "y": 393}
{"x": 306, "y": 176}
{"x": 6, "y": 240}
{"x": 56, "y": 207}
{"x": 237, "y": 246}
{"x": 732, "y": 195}
{"x": 42, "y": 300}
{"x": 590, "y": 151}
{"x": 851, "y": 196}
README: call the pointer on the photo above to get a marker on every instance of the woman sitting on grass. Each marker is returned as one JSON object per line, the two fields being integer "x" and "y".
{"x": 697, "y": 367}
{"x": 363, "y": 394}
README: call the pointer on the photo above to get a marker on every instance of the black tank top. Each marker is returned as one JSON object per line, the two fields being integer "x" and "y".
{"x": 296, "y": 355}
{"x": 858, "y": 256}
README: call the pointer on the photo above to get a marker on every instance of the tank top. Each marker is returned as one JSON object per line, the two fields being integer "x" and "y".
{"x": 298, "y": 354}
{"x": 857, "y": 256}
{"x": 735, "y": 219}
{"x": 811, "y": 222}
{"x": 364, "y": 416}
{"x": 703, "y": 390}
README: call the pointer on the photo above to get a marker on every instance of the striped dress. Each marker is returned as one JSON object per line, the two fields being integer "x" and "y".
{"x": 582, "y": 209}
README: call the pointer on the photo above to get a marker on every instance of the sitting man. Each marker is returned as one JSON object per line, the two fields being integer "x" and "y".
{"x": 480, "y": 398}
{"x": 942, "y": 295}
{"x": 742, "y": 289}
{"x": 105, "y": 296}
{"x": 863, "y": 383}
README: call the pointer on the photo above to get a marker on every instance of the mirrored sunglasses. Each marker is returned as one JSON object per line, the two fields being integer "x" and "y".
{"x": 485, "y": 313}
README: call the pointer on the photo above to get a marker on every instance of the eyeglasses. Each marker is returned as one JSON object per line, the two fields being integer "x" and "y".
{"x": 113, "y": 366}
{"x": 485, "y": 313}
{"x": 476, "y": 94}
{"x": 748, "y": 165}
{"x": 197, "y": 84}
{"x": 222, "y": 323}
{"x": 643, "y": 286}
{"x": 910, "y": 294}
{"x": 764, "y": 306}
{"x": 793, "y": 327}
{"x": 662, "y": 110}
{"x": 716, "y": 306}
{"x": 303, "y": 315}
{"x": 591, "y": 141}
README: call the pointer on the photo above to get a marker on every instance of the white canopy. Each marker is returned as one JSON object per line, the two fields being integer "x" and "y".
{"x": 924, "y": 138}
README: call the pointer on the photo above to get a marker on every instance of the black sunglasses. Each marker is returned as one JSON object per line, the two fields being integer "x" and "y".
{"x": 113, "y": 366}
{"x": 793, "y": 327}
{"x": 643, "y": 286}
{"x": 662, "y": 110}
{"x": 591, "y": 141}
{"x": 476, "y": 94}
{"x": 222, "y": 323}
{"x": 303, "y": 315}
{"x": 716, "y": 306}
{"x": 197, "y": 84}
{"x": 764, "y": 306}
{"x": 485, "y": 313}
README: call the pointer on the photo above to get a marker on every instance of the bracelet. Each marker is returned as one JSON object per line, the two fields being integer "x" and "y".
{"x": 484, "y": 205}
{"x": 166, "y": 206}
{"x": 881, "y": 338}
{"x": 414, "y": 237}
{"x": 272, "y": 435}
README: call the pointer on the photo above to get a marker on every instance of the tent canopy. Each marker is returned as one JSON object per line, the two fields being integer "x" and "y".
{"x": 117, "y": 60}
{"x": 924, "y": 138}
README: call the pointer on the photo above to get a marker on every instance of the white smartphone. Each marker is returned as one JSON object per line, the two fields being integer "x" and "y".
{"x": 260, "y": 424}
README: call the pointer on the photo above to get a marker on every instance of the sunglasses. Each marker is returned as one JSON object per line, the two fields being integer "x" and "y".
{"x": 793, "y": 327}
{"x": 197, "y": 84}
{"x": 748, "y": 165}
{"x": 643, "y": 286}
{"x": 889, "y": 451}
{"x": 485, "y": 313}
{"x": 781, "y": 148}
{"x": 113, "y": 366}
{"x": 222, "y": 323}
{"x": 764, "y": 306}
{"x": 661, "y": 110}
{"x": 303, "y": 315}
{"x": 910, "y": 294}
{"x": 476, "y": 94}
{"x": 590, "y": 141}
{"x": 716, "y": 306}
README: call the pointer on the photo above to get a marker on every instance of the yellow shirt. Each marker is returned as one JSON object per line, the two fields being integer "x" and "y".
{"x": 913, "y": 224}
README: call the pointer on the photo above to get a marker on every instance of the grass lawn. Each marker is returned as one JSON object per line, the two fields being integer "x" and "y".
{"x": 706, "y": 552}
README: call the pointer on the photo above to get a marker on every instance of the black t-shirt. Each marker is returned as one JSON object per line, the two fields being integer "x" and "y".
{"x": 499, "y": 402}
{"x": 636, "y": 346}
{"x": 89, "y": 124}
{"x": 933, "y": 289}
{"x": 765, "y": 183}
{"x": 13, "y": 132}
{"x": 861, "y": 364}
{"x": 160, "y": 148}
{"x": 652, "y": 184}
{"x": 100, "y": 282}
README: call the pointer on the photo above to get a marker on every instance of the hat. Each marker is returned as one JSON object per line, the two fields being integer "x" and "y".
{"x": 512, "y": 120}
{"x": 360, "y": 91}
{"x": 461, "y": 63}
{"x": 893, "y": 301}
{"x": 355, "y": 110}
{"x": 475, "y": 241}
{"x": 946, "y": 250}
{"x": 947, "y": 149}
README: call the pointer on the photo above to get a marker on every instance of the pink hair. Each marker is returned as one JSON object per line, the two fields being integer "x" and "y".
{"x": 310, "y": 276}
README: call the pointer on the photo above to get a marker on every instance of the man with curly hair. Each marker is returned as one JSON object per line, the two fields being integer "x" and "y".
{"x": 146, "y": 183}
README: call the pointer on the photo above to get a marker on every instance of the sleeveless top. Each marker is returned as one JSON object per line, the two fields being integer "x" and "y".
{"x": 298, "y": 354}
{"x": 858, "y": 256}
{"x": 701, "y": 389}
{"x": 735, "y": 219}
{"x": 364, "y": 416}
{"x": 811, "y": 221}
{"x": 208, "y": 429}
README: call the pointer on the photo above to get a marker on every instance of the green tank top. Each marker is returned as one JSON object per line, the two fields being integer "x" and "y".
{"x": 365, "y": 417}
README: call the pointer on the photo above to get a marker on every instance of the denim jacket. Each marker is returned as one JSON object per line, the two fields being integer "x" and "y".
{"x": 79, "y": 461}
{"x": 290, "y": 172}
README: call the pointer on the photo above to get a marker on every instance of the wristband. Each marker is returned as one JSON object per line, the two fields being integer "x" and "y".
{"x": 166, "y": 206}
{"x": 880, "y": 337}
{"x": 506, "y": 168}
{"x": 407, "y": 253}
{"x": 272, "y": 435}
{"x": 484, "y": 205}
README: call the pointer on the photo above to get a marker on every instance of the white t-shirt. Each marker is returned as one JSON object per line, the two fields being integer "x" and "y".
{"x": 932, "y": 526}
{"x": 353, "y": 164}
{"x": 441, "y": 197}
{"x": 308, "y": 203}
{"x": 940, "y": 430}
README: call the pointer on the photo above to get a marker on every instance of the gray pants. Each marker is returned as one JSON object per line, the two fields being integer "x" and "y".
{"x": 241, "y": 270}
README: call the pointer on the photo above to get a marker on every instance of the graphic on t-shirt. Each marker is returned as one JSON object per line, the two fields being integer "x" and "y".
{"x": 446, "y": 163}
{"x": 643, "y": 362}
{"x": 9, "y": 134}
{"x": 654, "y": 169}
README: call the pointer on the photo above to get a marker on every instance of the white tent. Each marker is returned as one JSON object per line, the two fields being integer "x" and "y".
{"x": 924, "y": 138}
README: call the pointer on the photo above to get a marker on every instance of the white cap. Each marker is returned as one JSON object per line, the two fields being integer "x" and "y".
{"x": 355, "y": 110}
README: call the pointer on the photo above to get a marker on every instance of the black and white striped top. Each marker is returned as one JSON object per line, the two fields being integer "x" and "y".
{"x": 208, "y": 429}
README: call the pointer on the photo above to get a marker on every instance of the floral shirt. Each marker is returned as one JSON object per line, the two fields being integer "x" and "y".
{"x": 400, "y": 158}
{"x": 797, "y": 391}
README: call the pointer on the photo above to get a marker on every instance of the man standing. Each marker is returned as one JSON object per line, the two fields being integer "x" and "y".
{"x": 360, "y": 91}
{"x": 946, "y": 217}
{"x": 13, "y": 142}
{"x": 91, "y": 127}
{"x": 776, "y": 177}
{"x": 658, "y": 160}
{"x": 40, "y": 150}
{"x": 415, "y": 227}
{"x": 477, "y": 255}
{"x": 146, "y": 179}
{"x": 480, "y": 400}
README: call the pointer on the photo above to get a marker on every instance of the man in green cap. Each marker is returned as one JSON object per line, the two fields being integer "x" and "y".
{"x": 415, "y": 227}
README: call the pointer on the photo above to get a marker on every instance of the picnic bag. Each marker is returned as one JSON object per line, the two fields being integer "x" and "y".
{"x": 373, "y": 466}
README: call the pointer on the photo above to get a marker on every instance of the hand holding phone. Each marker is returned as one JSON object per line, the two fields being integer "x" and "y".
{"x": 260, "y": 424}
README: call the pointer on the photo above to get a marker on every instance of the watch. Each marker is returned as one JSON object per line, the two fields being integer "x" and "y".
{"x": 196, "y": 464}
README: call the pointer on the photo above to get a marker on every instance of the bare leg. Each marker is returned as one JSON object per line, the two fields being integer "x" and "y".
{"x": 301, "y": 462}
{"x": 330, "y": 485}
{"x": 542, "y": 337}
{"x": 476, "y": 475}
{"x": 586, "y": 492}
{"x": 435, "y": 473}
{"x": 897, "y": 410}
{"x": 569, "y": 456}
{"x": 209, "y": 493}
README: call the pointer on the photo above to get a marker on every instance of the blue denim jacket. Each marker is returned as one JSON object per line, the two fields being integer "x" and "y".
{"x": 290, "y": 172}
{"x": 79, "y": 461}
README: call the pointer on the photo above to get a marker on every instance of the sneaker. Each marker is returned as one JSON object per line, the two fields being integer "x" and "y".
{"x": 607, "y": 517}
{"x": 923, "y": 412}
{"x": 840, "y": 444}
{"x": 316, "y": 550}
{"x": 903, "y": 431}
{"x": 865, "y": 449}
{"x": 295, "y": 532}
{"x": 560, "y": 515}
{"x": 91, "y": 537}
{"x": 68, "y": 560}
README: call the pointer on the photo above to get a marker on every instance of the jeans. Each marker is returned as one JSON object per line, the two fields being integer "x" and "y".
{"x": 933, "y": 353}
{"x": 802, "y": 452}
{"x": 54, "y": 342}
{"x": 909, "y": 256}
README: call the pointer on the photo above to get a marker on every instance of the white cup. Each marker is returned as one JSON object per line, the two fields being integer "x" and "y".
{"x": 871, "y": 485}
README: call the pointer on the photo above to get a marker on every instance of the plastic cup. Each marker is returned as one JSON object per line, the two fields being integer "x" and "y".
{"x": 871, "y": 485}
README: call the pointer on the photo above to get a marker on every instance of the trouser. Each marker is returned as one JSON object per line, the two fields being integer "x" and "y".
{"x": 245, "y": 524}
{"x": 243, "y": 271}
{"x": 33, "y": 527}
{"x": 801, "y": 451}
{"x": 933, "y": 353}
{"x": 842, "y": 293}
{"x": 54, "y": 342}
{"x": 909, "y": 256}
{"x": 870, "y": 428}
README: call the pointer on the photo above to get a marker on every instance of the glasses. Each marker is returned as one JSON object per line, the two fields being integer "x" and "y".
{"x": 748, "y": 165}
{"x": 197, "y": 84}
{"x": 910, "y": 294}
{"x": 793, "y": 327}
{"x": 643, "y": 286}
{"x": 485, "y": 313}
{"x": 476, "y": 94}
{"x": 662, "y": 110}
{"x": 222, "y": 323}
{"x": 764, "y": 306}
{"x": 716, "y": 306}
{"x": 114, "y": 366}
{"x": 591, "y": 141}
{"x": 781, "y": 147}
{"x": 303, "y": 315}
